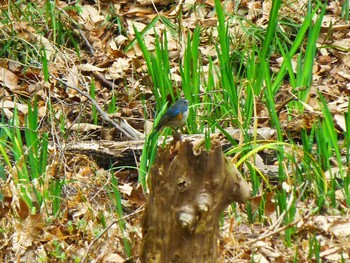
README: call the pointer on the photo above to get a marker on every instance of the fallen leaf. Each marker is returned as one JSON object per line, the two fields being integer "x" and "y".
{"x": 115, "y": 258}
{"x": 89, "y": 67}
{"x": 8, "y": 79}
{"x": 126, "y": 189}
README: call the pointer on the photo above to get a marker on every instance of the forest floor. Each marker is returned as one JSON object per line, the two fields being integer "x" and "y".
{"x": 117, "y": 70}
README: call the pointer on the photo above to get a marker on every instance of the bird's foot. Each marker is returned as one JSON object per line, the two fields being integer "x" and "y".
{"x": 177, "y": 136}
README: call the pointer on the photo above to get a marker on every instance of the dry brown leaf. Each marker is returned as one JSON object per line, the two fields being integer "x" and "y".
{"x": 259, "y": 258}
{"x": 7, "y": 106}
{"x": 49, "y": 48}
{"x": 341, "y": 229}
{"x": 90, "y": 15}
{"x": 89, "y": 67}
{"x": 270, "y": 206}
{"x": 113, "y": 258}
{"x": 138, "y": 25}
{"x": 343, "y": 74}
{"x": 345, "y": 58}
{"x": 126, "y": 188}
{"x": 334, "y": 255}
{"x": 140, "y": 11}
{"x": 85, "y": 127}
{"x": 8, "y": 79}
{"x": 153, "y": 2}
{"x": 27, "y": 232}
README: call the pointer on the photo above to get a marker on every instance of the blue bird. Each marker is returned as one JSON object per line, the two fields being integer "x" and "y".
{"x": 175, "y": 116}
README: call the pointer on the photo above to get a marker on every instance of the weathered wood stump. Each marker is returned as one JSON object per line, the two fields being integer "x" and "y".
{"x": 187, "y": 192}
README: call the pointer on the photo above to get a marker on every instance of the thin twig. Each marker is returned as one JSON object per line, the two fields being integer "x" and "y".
{"x": 91, "y": 49}
{"x": 278, "y": 230}
{"x": 100, "y": 77}
{"x": 130, "y": 134}
{"x": 279, "y": 221}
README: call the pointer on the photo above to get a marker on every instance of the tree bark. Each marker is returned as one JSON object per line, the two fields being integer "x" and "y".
{"x": 187, "y": 192}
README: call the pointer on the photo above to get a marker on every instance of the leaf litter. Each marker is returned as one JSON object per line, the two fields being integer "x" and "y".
{"x": 86, "y": 209}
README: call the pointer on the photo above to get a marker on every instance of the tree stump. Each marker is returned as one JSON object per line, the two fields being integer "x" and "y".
{"x": 187, "y": 192}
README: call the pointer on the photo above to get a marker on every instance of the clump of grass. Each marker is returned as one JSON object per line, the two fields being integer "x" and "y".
{"x": 25, "y": 152}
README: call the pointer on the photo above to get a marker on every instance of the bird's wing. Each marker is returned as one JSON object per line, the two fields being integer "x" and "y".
{"x": 173, "y": 114}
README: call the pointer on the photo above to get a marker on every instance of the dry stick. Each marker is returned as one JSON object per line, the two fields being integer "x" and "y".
{"x": 284, "y": 103}
{"x": 100, "y": 77}
{"x": 140, "y": 209}
{"x": 91, "y": 49}
{"x": 128, "y": 132}
{"x": 279, "y": 221}
{"x": 178, "y": 8}
{"x": 251, "y": 242}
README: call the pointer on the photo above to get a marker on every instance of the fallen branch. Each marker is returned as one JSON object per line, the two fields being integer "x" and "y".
{"x": 126, "y": 130}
